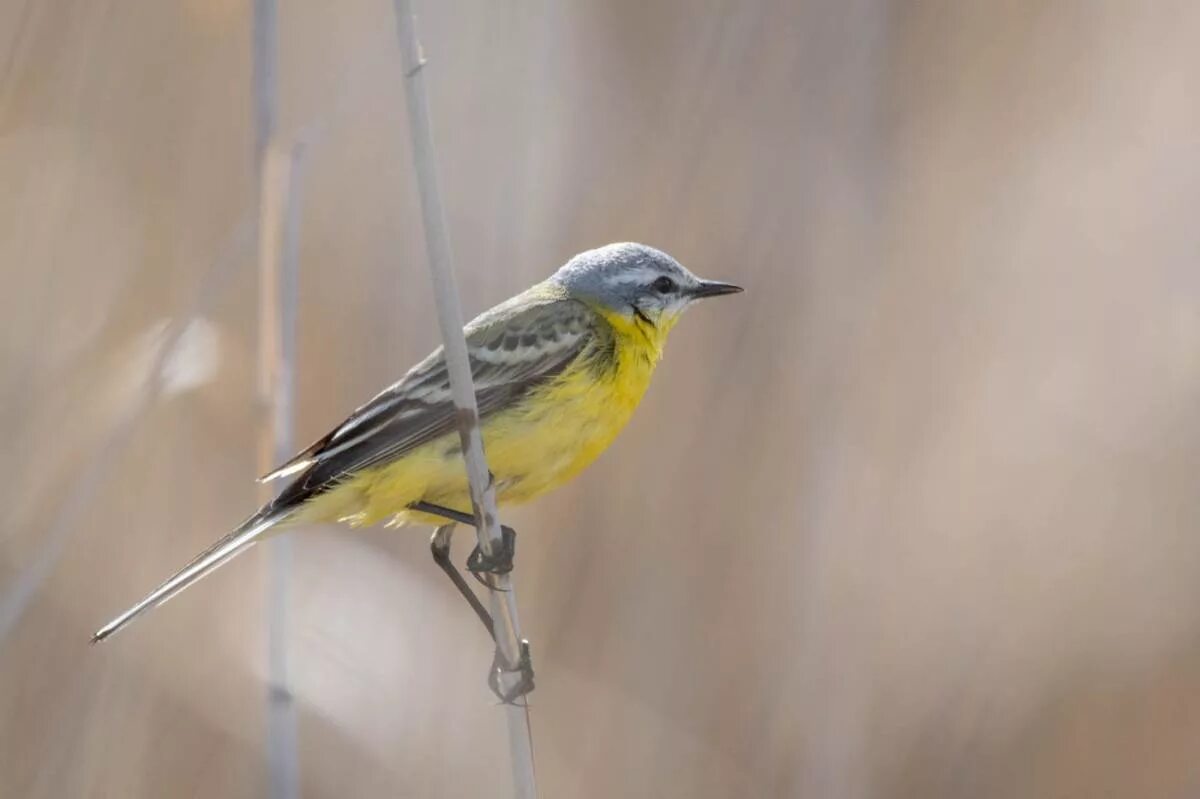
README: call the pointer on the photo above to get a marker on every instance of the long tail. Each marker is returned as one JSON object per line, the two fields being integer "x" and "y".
{"x": 237, "y": 542}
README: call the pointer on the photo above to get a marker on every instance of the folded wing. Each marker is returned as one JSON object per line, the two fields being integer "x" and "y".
{"x": 512, "y": 350}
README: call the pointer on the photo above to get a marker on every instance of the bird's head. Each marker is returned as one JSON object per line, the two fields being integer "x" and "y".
{"x": 636, "y": 284}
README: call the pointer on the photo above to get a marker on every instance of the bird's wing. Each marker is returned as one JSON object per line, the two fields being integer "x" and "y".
{"x": 512, "y": 349}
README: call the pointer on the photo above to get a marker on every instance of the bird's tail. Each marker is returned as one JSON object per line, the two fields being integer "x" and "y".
{"x": 245, "y": 536}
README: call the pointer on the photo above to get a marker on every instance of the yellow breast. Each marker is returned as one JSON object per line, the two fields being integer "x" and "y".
{"x": 566, "y": 425}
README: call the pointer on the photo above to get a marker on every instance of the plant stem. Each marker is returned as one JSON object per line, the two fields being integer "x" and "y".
{"x": 503, "y": 598}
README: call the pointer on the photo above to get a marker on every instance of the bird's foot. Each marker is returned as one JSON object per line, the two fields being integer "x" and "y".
{"x": 523, "y": 669}
{"x": 499, "y": 562}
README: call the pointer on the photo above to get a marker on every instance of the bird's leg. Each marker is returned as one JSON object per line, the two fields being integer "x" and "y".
{"x": 478, "y": 563}
{"x": 439, "y": 545}
{"x": 446, "y": 513}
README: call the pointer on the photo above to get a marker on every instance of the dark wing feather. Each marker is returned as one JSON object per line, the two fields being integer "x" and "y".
{"x": 511, "y": 352}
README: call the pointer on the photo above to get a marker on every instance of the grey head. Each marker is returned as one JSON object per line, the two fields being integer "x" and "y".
{"x": 636, "y": 280}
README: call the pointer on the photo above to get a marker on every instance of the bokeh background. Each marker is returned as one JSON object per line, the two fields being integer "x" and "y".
{"x": 915, "y": 516}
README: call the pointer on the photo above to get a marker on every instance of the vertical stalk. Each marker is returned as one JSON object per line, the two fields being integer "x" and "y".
{"x": 278, "y": 283}
{"x": 277, "y": 250}
{"x": 502, "y": 597}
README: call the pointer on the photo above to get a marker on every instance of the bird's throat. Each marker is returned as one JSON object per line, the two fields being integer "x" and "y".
{"x": 638, "y": 334}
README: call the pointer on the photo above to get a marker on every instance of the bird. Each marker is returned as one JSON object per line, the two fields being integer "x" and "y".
{"x": 558, "y": 371}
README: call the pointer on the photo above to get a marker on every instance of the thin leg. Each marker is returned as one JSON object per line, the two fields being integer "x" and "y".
{"x": 446, "y": 513}
{"x": 439, "y": 545}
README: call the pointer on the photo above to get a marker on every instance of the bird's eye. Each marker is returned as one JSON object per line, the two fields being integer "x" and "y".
{"x": 664, "y": 285}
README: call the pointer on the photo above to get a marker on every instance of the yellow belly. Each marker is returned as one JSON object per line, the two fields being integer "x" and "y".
{"x": 548, "y": 439}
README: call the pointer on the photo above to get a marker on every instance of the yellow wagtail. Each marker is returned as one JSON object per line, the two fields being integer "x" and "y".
{"x": 558, "y": 371}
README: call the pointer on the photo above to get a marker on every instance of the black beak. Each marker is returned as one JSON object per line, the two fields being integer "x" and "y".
{"x": 714, "y": 288}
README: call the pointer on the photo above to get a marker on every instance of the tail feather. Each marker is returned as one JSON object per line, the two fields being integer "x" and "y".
{"x": 296, "y": 464}
{"x": 238, "y": 541}
{"x": 300, "y": 461}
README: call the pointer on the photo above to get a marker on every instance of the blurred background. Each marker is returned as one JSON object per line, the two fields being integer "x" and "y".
{"x": 915, "y": 516}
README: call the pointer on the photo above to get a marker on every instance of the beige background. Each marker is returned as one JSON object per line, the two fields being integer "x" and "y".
{"x": 916, "y": 516}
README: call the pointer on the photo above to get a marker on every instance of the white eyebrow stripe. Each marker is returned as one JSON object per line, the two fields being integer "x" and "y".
{"x": 641, "y": 274}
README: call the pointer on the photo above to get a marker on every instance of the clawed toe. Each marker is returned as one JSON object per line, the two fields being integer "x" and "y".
{"x": 524, "y": 670}
{"x": 500, "y": 561}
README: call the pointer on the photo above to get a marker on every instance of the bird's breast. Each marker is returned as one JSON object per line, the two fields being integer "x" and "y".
{"x": 563, "y": 426}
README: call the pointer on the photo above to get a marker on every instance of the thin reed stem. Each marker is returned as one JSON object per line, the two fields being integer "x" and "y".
{"x": 278, "y": 279}
{"x": 503, "y": 597}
